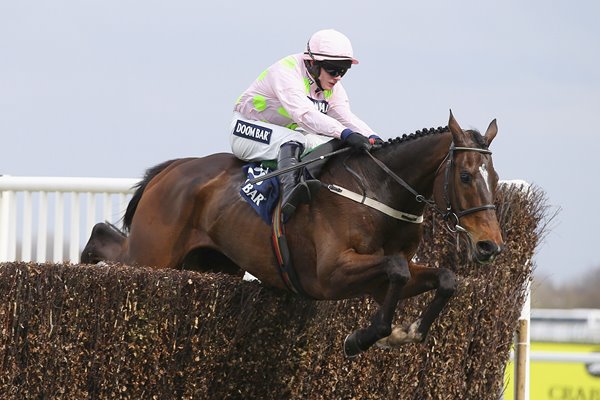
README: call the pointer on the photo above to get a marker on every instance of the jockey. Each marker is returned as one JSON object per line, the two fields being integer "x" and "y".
{"x": 295, "y": 105}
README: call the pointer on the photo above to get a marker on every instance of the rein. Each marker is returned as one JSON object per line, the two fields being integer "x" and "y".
{"x": 448, "y": 214}
{"x": 298, "y": 165}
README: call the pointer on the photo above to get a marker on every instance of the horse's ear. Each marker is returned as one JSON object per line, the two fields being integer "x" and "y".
{"x": 456, "y": 130}
{"x": 491, "y": 132}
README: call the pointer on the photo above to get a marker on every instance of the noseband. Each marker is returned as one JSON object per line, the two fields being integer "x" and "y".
{"x": 452, "y": 217}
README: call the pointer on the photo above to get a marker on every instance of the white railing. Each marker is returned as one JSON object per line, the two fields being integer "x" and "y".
{"x": 59, "y": 208}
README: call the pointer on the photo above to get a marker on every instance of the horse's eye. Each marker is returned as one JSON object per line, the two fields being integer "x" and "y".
{"x": 465, "y": 177}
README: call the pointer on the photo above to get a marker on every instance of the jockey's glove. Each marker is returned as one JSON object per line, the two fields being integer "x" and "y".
{"x": 356, "y": 140}
{"x": 376, "y": 140}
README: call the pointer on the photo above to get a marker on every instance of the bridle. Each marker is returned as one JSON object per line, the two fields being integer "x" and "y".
{"x": 452, "y": 217}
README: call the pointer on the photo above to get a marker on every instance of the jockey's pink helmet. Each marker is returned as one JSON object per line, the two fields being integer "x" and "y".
{"x": 329, "y": 44}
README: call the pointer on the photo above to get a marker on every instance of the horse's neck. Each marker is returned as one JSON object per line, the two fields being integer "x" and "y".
{"x": 416, "y": 161}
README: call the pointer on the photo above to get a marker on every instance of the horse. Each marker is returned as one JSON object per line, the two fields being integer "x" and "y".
{"x": 189, "y": 213}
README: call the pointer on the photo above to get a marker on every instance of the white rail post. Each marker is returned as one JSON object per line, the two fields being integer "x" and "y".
{"x": 74, "y": 234}
{"x": 6, "y": 199}
{"x": 26, "y": 238}
{"x": 40, "y": 255}
{"x": 59, "y": 227}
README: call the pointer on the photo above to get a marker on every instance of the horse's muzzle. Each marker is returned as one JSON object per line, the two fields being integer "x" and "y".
{"x": 486, "y": 251}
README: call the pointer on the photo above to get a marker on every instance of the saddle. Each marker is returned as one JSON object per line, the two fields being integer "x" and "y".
{"x": 263, "y": 196}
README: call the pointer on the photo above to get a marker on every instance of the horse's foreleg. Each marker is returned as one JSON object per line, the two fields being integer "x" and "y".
{"x": 360, "y": 340}
{"x": 422, "y": 280}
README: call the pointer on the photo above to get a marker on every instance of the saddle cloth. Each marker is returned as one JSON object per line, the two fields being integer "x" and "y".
{"x": 262, "y": 196}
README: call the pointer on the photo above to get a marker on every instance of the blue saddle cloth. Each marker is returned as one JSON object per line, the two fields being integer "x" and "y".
{"x": 262, "y": 196}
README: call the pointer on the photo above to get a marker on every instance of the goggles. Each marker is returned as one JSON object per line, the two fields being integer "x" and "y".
{"x": 334, "y": 70}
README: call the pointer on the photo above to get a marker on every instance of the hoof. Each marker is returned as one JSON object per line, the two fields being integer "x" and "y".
{"x": 384, "y": 343}
{"x": 351, "y": 347}
{"x": 402, "y": 335}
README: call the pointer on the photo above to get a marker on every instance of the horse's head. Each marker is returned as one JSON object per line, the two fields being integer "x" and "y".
{"x": 466, "y": 186}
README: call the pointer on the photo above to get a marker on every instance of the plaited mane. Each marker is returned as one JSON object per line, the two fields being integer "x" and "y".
{"x": 416, "y": 135}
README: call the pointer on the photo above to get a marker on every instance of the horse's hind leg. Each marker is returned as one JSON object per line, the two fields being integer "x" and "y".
{"x": 422, "y": 280}
{"x": 360, "y": 340}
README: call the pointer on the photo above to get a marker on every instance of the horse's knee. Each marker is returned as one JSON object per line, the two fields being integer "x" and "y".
{"x": 397, "y": 271}
{"x": 447, "y": 283}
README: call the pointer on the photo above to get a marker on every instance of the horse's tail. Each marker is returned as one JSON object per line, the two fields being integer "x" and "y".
{"x": 139, "y": 191}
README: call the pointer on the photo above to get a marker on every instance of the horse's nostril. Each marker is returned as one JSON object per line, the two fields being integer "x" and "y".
{"x": 487, "y": 247}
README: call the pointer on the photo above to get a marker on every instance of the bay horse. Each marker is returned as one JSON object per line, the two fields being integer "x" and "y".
{"x": 189, "y": 213}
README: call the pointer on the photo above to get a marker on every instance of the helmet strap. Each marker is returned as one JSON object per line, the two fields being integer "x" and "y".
{"x": 314, "y": 69}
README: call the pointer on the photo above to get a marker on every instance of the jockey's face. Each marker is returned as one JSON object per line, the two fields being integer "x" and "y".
{"x": 328, "y": 81}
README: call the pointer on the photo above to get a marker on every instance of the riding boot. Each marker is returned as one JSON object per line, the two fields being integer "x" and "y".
{"x": 294, "y": 190}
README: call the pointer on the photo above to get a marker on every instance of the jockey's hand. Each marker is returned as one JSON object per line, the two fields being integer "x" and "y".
{"x": 376, "y": 141}
{"x": 356, "y": 140}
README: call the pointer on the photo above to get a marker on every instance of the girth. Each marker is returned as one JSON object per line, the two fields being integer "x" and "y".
{"x": 286, "y": 269}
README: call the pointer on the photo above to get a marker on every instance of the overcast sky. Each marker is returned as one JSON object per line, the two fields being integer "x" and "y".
{"x": 109, "y": 88}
